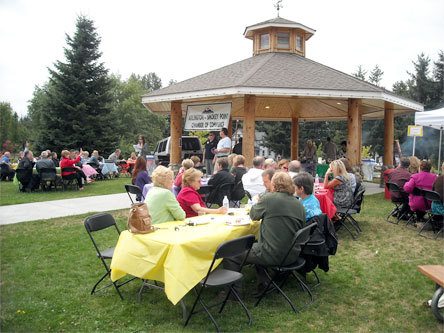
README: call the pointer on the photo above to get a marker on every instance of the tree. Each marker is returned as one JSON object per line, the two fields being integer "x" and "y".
{"x": 77, "y": 110}
{"x": 438, "y": 74}
{"x": 421, "y": 85}
{"x": 376, "y": 75}
{"x": 12, "y": 131}
{"x": 361, "y": 73}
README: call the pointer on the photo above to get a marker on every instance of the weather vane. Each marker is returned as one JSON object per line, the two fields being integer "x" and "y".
{"x": 278, "y": 6}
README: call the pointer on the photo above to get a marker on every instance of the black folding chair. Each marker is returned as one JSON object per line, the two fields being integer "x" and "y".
{"x": 237, "y": 194}
{"x": 219, "y": 192}
{"x": 48, "y": 178}
{"x": 435, "y": 220}
{"x": 346, "y": 219}
{"x": 24, "y": 176}
{"x": 399, "y": 203}
{"x": 223, "y": 277}
{"x": 205, "y": 191}
{"x": 135, "y": 190}
{"x": 71, "y": 179}
{"x": 300, "y": 239}
{"x": 96, "y": 223}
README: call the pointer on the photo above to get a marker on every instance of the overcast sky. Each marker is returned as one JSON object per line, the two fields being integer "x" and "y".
{"x": 179, "y": 39}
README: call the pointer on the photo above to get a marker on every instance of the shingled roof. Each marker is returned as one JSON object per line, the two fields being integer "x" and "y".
{"x": 279, "y": 22}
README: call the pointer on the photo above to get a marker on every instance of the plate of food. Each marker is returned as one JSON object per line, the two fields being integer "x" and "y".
{"x": 238, "y": 221}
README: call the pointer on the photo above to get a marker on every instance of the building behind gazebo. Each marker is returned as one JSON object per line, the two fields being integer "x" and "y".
{"x": 279, "y": 84}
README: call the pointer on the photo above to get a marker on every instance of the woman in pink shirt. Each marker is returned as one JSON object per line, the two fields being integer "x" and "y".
{"x": 423, "y": 180}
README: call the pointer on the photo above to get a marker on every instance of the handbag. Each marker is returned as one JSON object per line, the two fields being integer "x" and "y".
{"x": 139, "y": 219}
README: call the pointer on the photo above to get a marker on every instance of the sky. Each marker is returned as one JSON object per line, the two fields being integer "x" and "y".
{"x": 180, "y": 39}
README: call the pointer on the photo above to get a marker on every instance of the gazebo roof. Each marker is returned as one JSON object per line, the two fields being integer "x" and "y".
{"x": 278, "y": 22}
{"x": 311, "y": 85}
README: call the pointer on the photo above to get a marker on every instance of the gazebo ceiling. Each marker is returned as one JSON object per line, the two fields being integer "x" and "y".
{"x": 286, "y": 86}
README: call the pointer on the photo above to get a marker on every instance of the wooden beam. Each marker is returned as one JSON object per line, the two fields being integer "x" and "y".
{"x": 389, "y": 131}
{"x": 249, "y": 129}
{"x": 230, "y": 127}
{"x": 176, "y": 132}
{"x": 354, "y": 126}
{"x": 294, "y": 138}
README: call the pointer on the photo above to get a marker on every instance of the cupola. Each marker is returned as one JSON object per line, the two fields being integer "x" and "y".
{"x": 278, "y": 35}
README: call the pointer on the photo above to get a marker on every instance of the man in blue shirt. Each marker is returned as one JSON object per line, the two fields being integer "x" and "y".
{"x": 6, "y": 171}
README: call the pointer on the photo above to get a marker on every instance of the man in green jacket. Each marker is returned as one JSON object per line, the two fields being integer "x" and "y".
{"x": 282, "y": 216}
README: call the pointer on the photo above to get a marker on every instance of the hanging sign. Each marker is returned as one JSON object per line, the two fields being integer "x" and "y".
{"x": 414, "y": 130}
{"x": 207, "y": 117}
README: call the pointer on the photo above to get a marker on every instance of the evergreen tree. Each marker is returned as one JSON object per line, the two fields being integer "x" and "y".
{"x": 421, "y": 85}
{"x": 361, "y": 73}
{"x": 77, "y": 109}
{"x": 376, "y": 75}
{"x": 438, "y": 74}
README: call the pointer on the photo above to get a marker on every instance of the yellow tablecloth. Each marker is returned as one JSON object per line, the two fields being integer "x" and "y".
{"x": 180, "y": 258}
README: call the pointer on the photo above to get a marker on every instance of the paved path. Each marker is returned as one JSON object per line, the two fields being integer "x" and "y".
{"x": 59, "y": 208}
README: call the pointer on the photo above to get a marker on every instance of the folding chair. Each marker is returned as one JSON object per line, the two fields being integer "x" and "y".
{"x": 204, "y": 192}
{"x": 437, "y": 226}
{"x": 237, "y": 194}
{"x": 69, "y": 179}
{"x": 135, "y": 190}
{"x": 96, "y": 223}
{"x": 398, "y": 202}
{"x": 218, "y": 192}
{"x": 346, "y": 215}
{"x": 300, "y": 239}
{"x": 48, "y": 178}
{"x": 24, "y": 176}
{"x": 223, "y": 277}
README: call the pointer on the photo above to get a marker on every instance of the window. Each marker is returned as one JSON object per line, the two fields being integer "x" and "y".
{"x": 298, "y": 42}
{"x": 265, "y": 41}
{"x": 283, "y": 39}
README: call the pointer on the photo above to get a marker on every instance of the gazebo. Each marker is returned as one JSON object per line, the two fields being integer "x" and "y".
{"x": 278, "y": 83}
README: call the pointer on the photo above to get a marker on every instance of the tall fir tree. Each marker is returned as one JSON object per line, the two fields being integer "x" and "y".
{"x": 78, "y": 105}
{"x": 360, "y": 73}
{"x": 376, "y": 75}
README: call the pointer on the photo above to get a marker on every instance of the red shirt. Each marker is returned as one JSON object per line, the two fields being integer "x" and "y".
{"x": 187, "y": 197}
{"x": 68, "y": 163}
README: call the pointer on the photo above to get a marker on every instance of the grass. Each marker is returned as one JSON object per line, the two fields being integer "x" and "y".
{"x": 10, "y": 195}
{"x": 48, "y": 269}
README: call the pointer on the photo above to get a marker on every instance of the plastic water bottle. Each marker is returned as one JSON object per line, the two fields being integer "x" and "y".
{"x": 225, "y": 202}
{"x": 317, "y": 181}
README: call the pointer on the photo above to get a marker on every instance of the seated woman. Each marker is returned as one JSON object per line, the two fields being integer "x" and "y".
{"x": 343, "y": 194}
{"x": 438, "y": 186}
{"x": 304, "y": 182}
{"x": 67, "y": 162}
{"x": 94, "y": 160}
{"x": 196, "y": 161}
{"x": 191, "y": 201}
{"x": 25, "y": 176}
{"x": 354, "y": 181}
{"x": 423, "y": 180}
{"x": 131, "y": 162}
{"x": 221, "y": 176}
{"x": 140, "y": 176}
{"x": 283, "y": 165}
{"x": 161, "y": 202}
{"x": 87, "y": 169}
{"x": 186, "y": 164}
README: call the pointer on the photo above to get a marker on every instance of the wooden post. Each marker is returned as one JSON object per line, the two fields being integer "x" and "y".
{"x": 294, "y": 138}
{"x": 176, "y": 132}
{"x": 354, "y": 126}
{"x": 230, "y": 128}
{"x": 248, "y": 130}
{"x": 389, "y": 131}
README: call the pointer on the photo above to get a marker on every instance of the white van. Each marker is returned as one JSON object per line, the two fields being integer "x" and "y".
{"x": 190, "y": 146}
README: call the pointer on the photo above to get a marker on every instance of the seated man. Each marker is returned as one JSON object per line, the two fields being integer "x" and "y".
{"x": 7, "y": 171}
{"x": 304, "y": 190}
{"x": 252, "y": 180}
{"x": 294, "y": 167}
{"x": 400, "y": 176}
{"x": 44, "y": 162}
{"x": 222, "y": 176}
{"x": 29, "y": 180}
{"x": 114, "y": 157}
{"x": 282, "y": 216}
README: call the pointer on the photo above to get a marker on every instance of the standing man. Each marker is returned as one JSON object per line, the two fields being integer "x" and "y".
{"x": 330, "y": 150}
{"x": 210, "y": 147}
{"x": 224, "y": 145}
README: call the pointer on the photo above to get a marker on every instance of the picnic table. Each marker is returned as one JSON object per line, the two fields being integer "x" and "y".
{"x": 436, "y": 274}
{"x": 176, "y": 254}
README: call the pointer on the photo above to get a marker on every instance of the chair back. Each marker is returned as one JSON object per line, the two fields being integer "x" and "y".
{"x": 4, "y": 167}
{"x": 393, "y": 187}
{"x": 69, "y": 169}
{"x": 234, "y": 247}
{"x": 48, "y": 174}
{"x": 301, "y": 237}
{"x": 135, "y": 190}
{"x": 359, "y": 199}
{"x": 23, "y": 175}
{"x": 248, "y": 194}
{"x": 225, "y": 190}
{"x": 238, "y": 191}
{"x": 431, "y": 195}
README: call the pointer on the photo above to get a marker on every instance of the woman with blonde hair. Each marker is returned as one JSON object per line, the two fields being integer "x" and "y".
{"x": 161, "y": 202}
{"x": 341, "y": 184}
{"x": 414, "y": 164}
{"x": 190, "y": 200}
{"x": 283, "y": 165}
{"x": 186, "y": 164}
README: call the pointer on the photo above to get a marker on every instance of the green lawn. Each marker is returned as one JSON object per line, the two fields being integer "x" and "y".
{"x": 10, "y": 195}
{"x": 48, "y": 268}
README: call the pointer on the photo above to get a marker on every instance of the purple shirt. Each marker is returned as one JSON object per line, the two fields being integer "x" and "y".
{"x": 422, "y": 180}
{"x": 142, "y": 179}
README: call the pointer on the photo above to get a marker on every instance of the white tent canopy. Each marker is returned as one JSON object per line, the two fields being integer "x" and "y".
{"x": 435, "y": 119}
